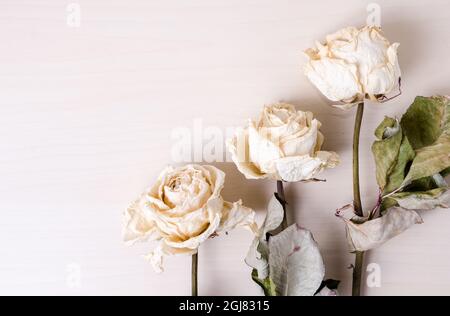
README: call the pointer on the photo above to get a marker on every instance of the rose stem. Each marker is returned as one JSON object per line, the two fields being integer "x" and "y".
{"x": 280, "y": 191}
{"x": 359, "y": 259}
{"x": 194, "y": 274}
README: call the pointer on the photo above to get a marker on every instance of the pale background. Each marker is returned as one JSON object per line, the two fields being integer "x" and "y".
{"x": 86, "y": 116}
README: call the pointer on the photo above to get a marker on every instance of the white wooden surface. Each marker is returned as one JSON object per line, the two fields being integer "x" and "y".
{"x": 86, "y": 116}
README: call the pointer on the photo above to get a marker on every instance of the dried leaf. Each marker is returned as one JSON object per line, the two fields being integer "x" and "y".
{"x": 423, "y": 200}
{"x": 396, "y": 177}
{"x": 386, "y": 149}
{"x": 288, "y": 263}
{"x": 258, "y": 253}
{"x": 296, "y": 266}
{"x": 445, "y": 172}
{"x": 427, "y": 126}
{"x": 363, "y": 234}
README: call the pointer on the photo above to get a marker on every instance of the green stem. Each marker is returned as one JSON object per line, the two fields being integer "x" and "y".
{"x": 280, "y": 192}
{"x": 359, "y": 256}
{"x": 194, "y": 274}
{"x": 357, "y": 273}
{"x": 356, "y": 191}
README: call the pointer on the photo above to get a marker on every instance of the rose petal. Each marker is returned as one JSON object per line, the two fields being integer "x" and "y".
{"x": 138, "y": 223}
{"x": 156, "y": 257}
{"x": 297, "y": 145}
{"x": 194, "y": 242}
{"x": 238, "y": 149}
{"x": 335, "y": 78}
{"x": 300, "y": 168}
{"x": 236, "y": 215}
{"x": 263, "y": 152}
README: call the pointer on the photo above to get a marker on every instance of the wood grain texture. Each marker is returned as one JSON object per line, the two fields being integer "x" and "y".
{"x": 86, "y": 116}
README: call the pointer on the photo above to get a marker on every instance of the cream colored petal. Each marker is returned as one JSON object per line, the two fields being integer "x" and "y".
{"x": 263, "y": 152}
{"x": 236, "y": 215}
{"x": 330, "y": 159}
{"x": 179, "y": 251}
{"x": 156, "y": 203}
{"x": 393, "y": 59}
{"x": 157, "y": 190}
{"x": 194, "y": 242}
{"x": 194, "y": 185}
{"x": 312, "y": 53}
{"x": 301, "y": 168}
{"x": 276, "y": 134}
{"x": 381, "y": 80}
{"x": 319, "y": 142}
{"x": 156, "y": 257}
{"x": 217, "y": 179}
{"x": 370, "y": 49}
{"x": 193, "y": 228}
{"x": 238, "y": 146}
{"x": 346, "y": 105}
{"x": 303, "y": 145}
{"x": 374, "y": 53}
{"x": 188, "y": 189}
{"x": 367, "y": 51}
{"x": 276, "y": 114}
{"x": 335, "y": 78}
{"x": 289, "y": 124}
{"x": 343, "y": 36}
{"x": 138, "y": 224}
{"x": 188, "y": 225}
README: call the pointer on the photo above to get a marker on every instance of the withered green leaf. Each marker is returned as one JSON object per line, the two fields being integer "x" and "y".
{"x": 386, "y": 149}
{"x": 426, "y": 124}
{"x": 427, "y": 200}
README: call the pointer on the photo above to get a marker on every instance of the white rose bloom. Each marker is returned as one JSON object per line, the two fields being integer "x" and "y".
{"x": 182, "y": 210}
{"x": 353, "y": 65}
{"x": 284, "y": 145}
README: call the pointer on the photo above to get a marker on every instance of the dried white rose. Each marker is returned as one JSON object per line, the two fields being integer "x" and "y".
{"x": 182, "y": 210}
{"x": 354, "y": 64}
{"x": 284, "y": 144}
